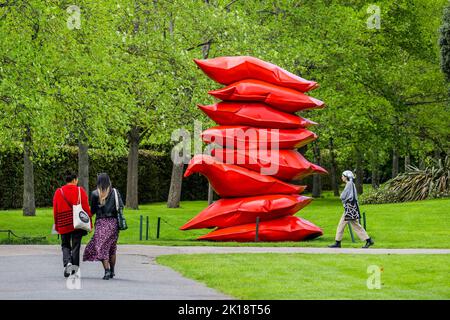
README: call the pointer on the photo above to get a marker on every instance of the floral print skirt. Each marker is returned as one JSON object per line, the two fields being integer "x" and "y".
{"x": 104, "y": 242}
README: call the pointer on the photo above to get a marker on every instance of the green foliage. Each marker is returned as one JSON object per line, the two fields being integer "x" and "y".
{"x": 415, "y": 184}
{"x": 444, "y": 42}
{"x": 130, "y": 65}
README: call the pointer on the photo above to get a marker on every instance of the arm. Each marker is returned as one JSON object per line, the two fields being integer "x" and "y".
{"x": 55, "y": 207}
{"x": 121, "y": 205}
{"x": 346, "y": 194}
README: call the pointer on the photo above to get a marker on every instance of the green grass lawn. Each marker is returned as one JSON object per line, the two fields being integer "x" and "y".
{"x": 421, "y": 224}
{"x": 317, "y": 276}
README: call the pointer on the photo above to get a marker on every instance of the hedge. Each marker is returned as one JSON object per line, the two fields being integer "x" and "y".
{"x": 154, "y": 177}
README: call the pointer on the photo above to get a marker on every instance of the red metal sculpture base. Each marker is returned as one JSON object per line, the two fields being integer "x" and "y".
{"x": 283, "y": 229}
{"x": 237, "y": 211}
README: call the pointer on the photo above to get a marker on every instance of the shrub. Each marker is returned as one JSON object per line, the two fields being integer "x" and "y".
{"x": 414, "y": 184}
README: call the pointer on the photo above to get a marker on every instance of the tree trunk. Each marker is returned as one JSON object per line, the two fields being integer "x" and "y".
{"x": 421, "y": 162}
{"x": 407, "y": 162}
{"x": 173, "y": 200}
{"x": 317, "y": 182}
{"x": 210, "y": 194}
{"x": 394, "y": 162}
{"x": 333, "y": 171}
{"x": 437, "y": 154}
{"x": 132, "y": 174}
{"x": 359, "y": 172}
{"x": 205, "y": 53}
{"x": 29, "y": 205}
{"x": 375, "y": 176}
{"x": 83, "y": 166}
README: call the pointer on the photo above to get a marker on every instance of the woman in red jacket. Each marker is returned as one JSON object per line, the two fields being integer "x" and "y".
{"x": 63, "y": 200}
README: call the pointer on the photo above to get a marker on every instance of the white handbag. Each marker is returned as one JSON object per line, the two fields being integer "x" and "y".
{"x": 81, "y": 219}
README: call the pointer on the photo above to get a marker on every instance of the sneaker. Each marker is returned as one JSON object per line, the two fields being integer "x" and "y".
{"x": 369, "y": 242}
{"x": 67, "y": 270}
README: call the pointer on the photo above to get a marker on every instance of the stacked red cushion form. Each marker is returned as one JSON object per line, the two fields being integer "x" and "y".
{"x": 255, "y": 161}
{"x": 253, "y": 114}
{"x": 290, "y": 164}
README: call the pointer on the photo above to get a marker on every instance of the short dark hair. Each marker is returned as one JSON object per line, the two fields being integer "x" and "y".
{"x": 70, "y": 176}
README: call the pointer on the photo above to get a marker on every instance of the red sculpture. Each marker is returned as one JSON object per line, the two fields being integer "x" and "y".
{"x": 284, "y": 99}
{"x": 257, "y": 133}
{"x": 236, "y": 211}
{"x": 257, "y": 138}
{"x": 290, "y": 163}
{"x": 254, "y": 115}
{"x": 230, "y": 180}
{"x": 283, "y": 229}
{"x": 226, "y": 70}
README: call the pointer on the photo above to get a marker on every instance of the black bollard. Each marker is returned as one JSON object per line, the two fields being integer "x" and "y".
{"x": 351, "y": 232}
{"x": 146, "y": 229}
{"x": 158, "y": 227}
{"x": 257, "y": 229}
{"x": 364, "y": 221}
{"x": 140, "y": 228}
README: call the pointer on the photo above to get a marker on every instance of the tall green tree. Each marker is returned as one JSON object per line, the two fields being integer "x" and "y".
{"x": 27, "y": 110}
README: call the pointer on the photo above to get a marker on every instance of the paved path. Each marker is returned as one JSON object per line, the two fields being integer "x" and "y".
{"x": 35, "y": 272}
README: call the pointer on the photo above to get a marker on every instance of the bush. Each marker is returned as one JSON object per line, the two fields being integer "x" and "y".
{"x": 415, "y": 184}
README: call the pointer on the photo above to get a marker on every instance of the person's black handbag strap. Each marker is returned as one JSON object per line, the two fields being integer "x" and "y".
{"x": 120, "y": 217}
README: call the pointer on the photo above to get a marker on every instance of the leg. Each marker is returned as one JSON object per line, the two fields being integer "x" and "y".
{"x": 106, "y": 264}
{"x": 66, "y": 248}
{"x": 112, "y": 253}
{"x": 340, "y": 228}
{"x": 112, "y": 263}
{"x": 77, "y": 235}
{"x": 362, "y": 234}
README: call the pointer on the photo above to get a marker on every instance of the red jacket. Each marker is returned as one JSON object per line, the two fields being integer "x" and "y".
{"x": 62, "y": 211}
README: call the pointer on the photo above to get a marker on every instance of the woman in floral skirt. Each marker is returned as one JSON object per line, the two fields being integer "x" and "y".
{"x": 103, "y": 244}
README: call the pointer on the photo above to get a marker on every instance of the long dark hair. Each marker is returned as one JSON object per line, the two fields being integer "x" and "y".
{"x": 103, "y": 187}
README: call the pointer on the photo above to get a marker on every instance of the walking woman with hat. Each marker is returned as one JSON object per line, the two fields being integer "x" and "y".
{"x": 351, "y": 214}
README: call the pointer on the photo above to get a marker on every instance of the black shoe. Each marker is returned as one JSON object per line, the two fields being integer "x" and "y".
{"x": 107, "y": 275}
{"x": 369, "y": 242}
{"x": 112, "y": 273}
{"x": 337, "y": 244}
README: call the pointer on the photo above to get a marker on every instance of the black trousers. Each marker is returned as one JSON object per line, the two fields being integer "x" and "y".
{"x": 70, "y": 244}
